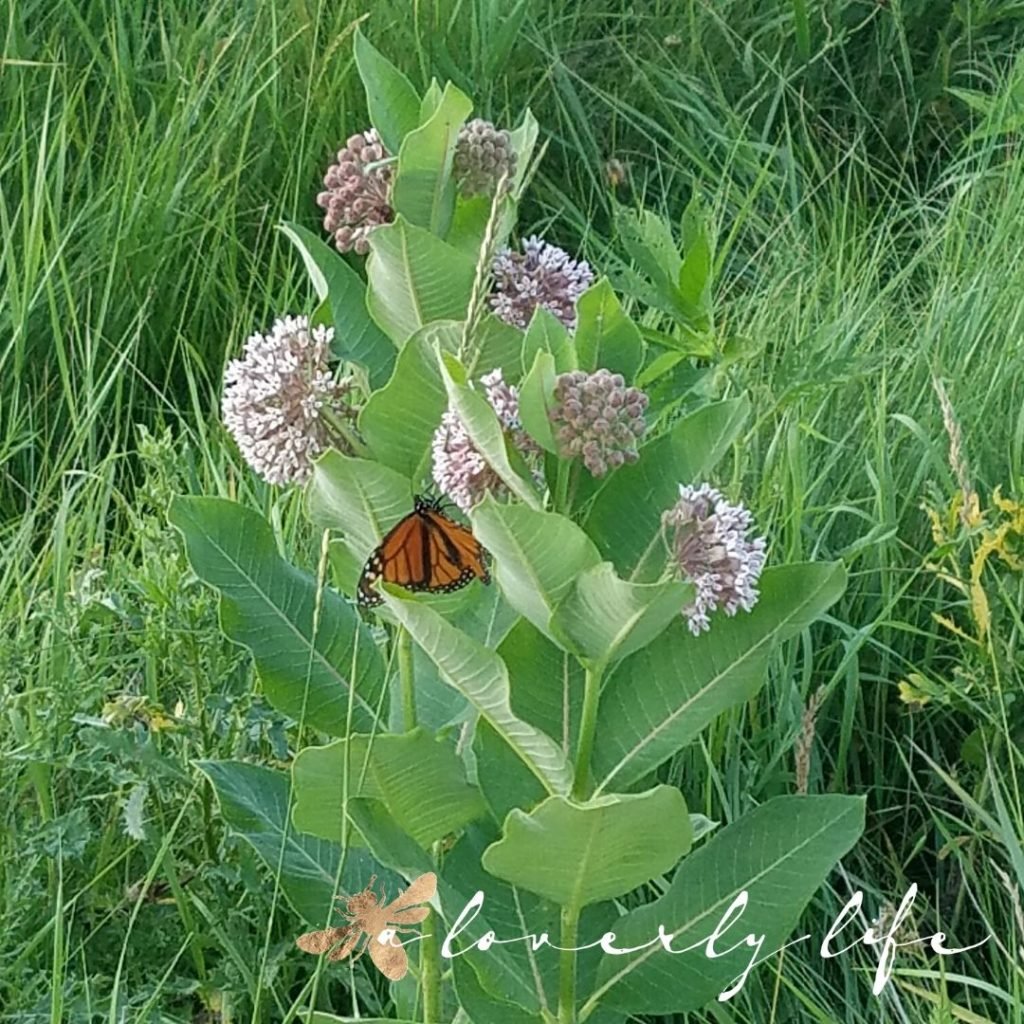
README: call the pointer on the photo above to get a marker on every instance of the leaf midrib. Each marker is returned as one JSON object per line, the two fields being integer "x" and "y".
{"x": 314, "y": 653}
{"x": 747, "y": 655}
{"x": 752, "y": 880}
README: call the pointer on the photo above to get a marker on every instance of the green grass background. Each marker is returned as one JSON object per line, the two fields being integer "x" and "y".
{"x": 871, "y": 224}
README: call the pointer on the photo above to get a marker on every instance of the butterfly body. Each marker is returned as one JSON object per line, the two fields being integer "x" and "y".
{"x": 425, "y": 551}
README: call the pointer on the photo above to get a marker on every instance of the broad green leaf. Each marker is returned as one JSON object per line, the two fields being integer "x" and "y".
{"x": 390, "y": 97}
{"x": 648, "y": 239}
{"x": 479, "y": 612}
{"x": 536, "y": 399}
{"x": 430, "y": 102}
{"x": 658, "y": 700}
{"x": 254, "y": 804}
{"x": 346, "y": 565}
{"x": 481, "y": 677}
{"x": 480, "y": 1005}
{"x": 356, "y": 337}
{"x": 634, "y": 285}
{"x": 269, "y": 606}
{"x": 415, "y": 279}
{"x": 423, "y": 191}
{"x": 469, "y": 224}
{"x": 361, "y": 499}
{"x": 546, "y": 333}
{"x": 495, "y": 345}
{"x": 388, "y": 843}
{"x": 504, "y": 781}
{"x": 658, "y": 367}
{"x": 576, "y": 854}
{"x": 398, "y": 422}
{"x": 483, "y": 427}
{"x": 525, "y": 978}
{"x": 605, "y": 337}
{"x": 537, "y": 556}
{"x": 419, "y": 779}
{"x": 695, "y": 273}
{"x": 604, "y": 618}
{"x": 778, "y": 854}
{"x": 637, "y": 494}
{"x": 547, "y": 682}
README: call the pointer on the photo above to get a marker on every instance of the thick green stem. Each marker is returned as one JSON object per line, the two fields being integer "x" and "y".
{"x": 430, "y": 950}
{"x": 567, "y": 966}
{"x": 580, "y": 785}
{"x": 406, "y": 679}
{"x": 588, "y": 726}
{"x": 430, "y": 970}
{"x": 560, "y": 499}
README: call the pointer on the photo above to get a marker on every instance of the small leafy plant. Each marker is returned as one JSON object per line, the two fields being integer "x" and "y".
{"x": 506, "y": 737}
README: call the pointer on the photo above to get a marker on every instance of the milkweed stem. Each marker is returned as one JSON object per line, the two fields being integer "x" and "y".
{"x": 567, "y": 966}
{"x": 406, "y": 679}
{"x": 588, "y": 726}
{"x": 430, "y": 968}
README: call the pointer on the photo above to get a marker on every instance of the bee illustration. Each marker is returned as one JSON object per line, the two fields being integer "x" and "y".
{"x": 379, "y": 921}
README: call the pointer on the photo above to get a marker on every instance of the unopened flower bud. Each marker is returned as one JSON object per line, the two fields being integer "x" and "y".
{"x": 356, "y": 199}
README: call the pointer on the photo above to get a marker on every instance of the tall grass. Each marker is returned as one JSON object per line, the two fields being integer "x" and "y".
{"x": 866, "y": 248}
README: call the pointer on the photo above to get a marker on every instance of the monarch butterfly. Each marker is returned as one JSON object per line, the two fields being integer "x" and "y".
{"x": 425, "y": 551}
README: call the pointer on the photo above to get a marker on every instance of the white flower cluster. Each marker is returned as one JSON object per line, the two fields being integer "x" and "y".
{"x": 714, "y": 553}
{"x": 541, "y": 275}
{"x": 278, "y": 398}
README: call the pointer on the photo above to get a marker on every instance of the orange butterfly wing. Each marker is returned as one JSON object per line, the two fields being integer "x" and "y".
{"x": 425, "y": 551}
{"x": 456, "y": 557}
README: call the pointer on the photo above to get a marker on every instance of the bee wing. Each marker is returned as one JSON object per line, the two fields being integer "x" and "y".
{"x": 390, "y": 960}
{"x": 420, "y": 890}
{"x": 321, "y": 941}
{"x": 347, "y": 946}
{"x": 411, "y": 916}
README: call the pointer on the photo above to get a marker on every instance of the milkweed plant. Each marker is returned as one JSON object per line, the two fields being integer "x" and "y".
{"x": 507, "y": 737}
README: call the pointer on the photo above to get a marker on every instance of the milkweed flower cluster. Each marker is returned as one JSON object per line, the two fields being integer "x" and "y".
{"x": 597, "y": 418}
{"x": 279, "y": 398}
{"x": 459, "y": 470}
{"x": 541, "y": 275}
{"x": 713, "y": 550}
{"x": 357, "y": 195}
{"x": 483, "y": 154}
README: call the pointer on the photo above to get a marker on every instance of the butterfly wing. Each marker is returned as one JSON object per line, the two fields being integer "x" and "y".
{"x": 396, "y": 559}
{"x": 456, "y": 557}
{"x": 425, "y": 551}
